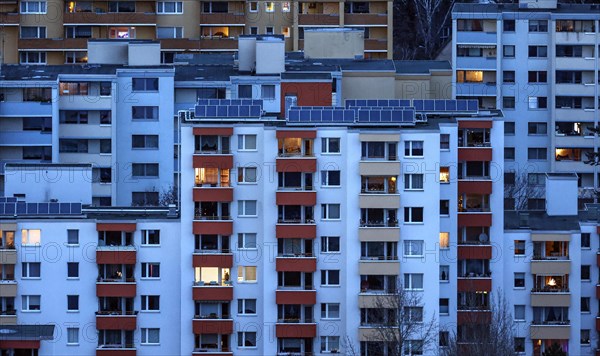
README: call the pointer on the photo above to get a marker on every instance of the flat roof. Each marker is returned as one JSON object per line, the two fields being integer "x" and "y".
{"x": 540, "y": 220}
{"x": 588, "y": 9}
{"x": 420, "y": 67}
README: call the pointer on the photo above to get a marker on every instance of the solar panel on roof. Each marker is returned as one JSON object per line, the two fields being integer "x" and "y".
{"x": 255, "y": 110}
{"x": 21, "y": 208}
{"x": 76, "y": 208}
{"x": 244, "y": 111}
{"x": 65, "y": 208}
{"x": 211, "y": 110}
{"x": 53, "y": 208}
{"x": 32, "y": 208}
{"x": 451, "y": 105}
{"x": 472, "y": 105}
{"x": 294, "y": 115}
{"x": 2, "y": 208}
{"x": 43, "y": 208}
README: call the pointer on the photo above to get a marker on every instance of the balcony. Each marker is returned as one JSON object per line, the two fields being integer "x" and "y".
{"x": 318, "y": 19}
{"x": 8, "y": 288}
{"x": 291, "y": 330}
{"x": 212, "y": 292}
{"x": 214, "y": 325}
{"x": 557, "y": 298}
{"x": 381, "y": 168}
{"x": 299, "y": 296}
{"x": 225, "y": 19}
{"x": 25, "y": 108}
{"x": 296, "y": 164}
{"x": 116, "y": 255}
{"x": 478, "y": 154}
{"x": 213, "y": 350}
{"x": 579, "y": 114}
{"x": 215, "y": 194}
{"x": 304, "y": 229}
{"x": 365, "y": 19}
{"x": 556, "y": 267}
{"x": 382, "y": 233}
{"x": 550, "y": 331}
{"x": 221, "y": 260}
{"x": 475, "y": 284}
{"x": 218, "y": 226}
{"x": 18, "y": 138}
{"x": 581, "y": 63}
{"x": 299, "y": 197}
{"x": 9, "y": 19}
{"x": 475, "y": 251}
{"x": 116, "y": 287}
{"x": 116, "y": 350}
{"x": 116, "y": 320}
{"x": 218, "y": 44}
{"x": 50, "y": 44}
{"x": 376, "y": 44}
{"x": 378, "y": 267}
{"x": 179, "y": 44}
{"x": 8, "y": 256}
{"x": 384, "y": 201}
{"x": 216, "y": 159}
{"x": 478, "y": 89}
{"x": 475, "y": 187}
{"x": 479, "y": 37}
{"x": 473, "y": 316}
{"x": 113, "y": 18}
{"x": 481, "y": 63}
{"x": 87, "y": 102}
{"x": 575, "y": 38}
{"x": 292, "y": 263}
{"x": 8, "y": 317}
{"x": 474, "y": 219}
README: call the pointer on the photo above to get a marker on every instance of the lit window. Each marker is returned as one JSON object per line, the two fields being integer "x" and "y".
{"x": 247, "y": 274}
{"x": 444, "y": 240}
{"x": 270, "y": 6}
{"x": 285, "y": 6}
{"x": 31, "y": 236}
{"x": 444, "y": 174}
{"x": 253, "y": 6}
{"x": 519, "y": 247}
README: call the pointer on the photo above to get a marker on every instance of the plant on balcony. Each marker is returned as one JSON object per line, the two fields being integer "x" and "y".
{"x": 554, "y": 350}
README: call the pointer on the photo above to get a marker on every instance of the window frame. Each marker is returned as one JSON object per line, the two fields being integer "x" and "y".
{"x": 148, "y": 270}
{"x": 243, "y": 207}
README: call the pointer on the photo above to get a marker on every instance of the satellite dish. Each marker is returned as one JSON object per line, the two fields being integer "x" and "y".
{"x": 483, "y": 237}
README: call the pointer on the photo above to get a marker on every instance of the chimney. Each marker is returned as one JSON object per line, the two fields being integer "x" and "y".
{"x": 247, "y": 53}
{"x": 561, "y": 194}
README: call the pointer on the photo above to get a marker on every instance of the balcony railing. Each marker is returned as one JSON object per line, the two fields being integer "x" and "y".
{"x": 213, "y": 284}
{"x": 295, "y": 221}
{"x": 384, "y": 191}
{"x": 548, "y": 289}
{"x": 486, "y": 274}
{"x": 212, "y": 348}
{"x": 308, "y": 188}
{"x": 212, "y": 316}
{"x": 212, "y": 152}
{"x": 553, "y": 322}
{"x": 550, "y": 258}
{"x": 485, "y": 209}
{"x": 292, "y": 288}
{"x": 213, "y": 185}
{"x": 467, "y": 307}
{"x": 305, "y": 320}
{"x": 117, "y": 312}
{"x": 7, "y": 247}
{"x": 473, "y": 242}
{"x": 211, "y": 218}
{"x": 8, "y": 312}
{"x": 207, "y": 251}
{"x": 378, "y": 223}
{"x": 387, "y": 290}
{"x": 116, "y": 346}
{"x": 295, "y": 255}
{"x": 378, "y": 258}
{"x": 115, "y": 280}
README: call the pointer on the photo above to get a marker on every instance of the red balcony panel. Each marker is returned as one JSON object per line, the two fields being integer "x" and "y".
{"x": 116, "y": 257}
{"x": 116, "y": 290}
{"x": 598, "y": 291}
{"x": 213, "y": 131}
{"x": 296, "y": 330}
{"x": 475, "y": 124}
{"x": 296, "y": 198}
{"x": 212, "y": 326}
{"x": 116, "y": 322}
{"x": 212, "y": 293}
{"x": 213, "y": 227}
{"x": 291, "y": 264}
{"x": 223, "y": 353}
{"x": 296, "y": 134}
{"x": 299, "y": 231}
{"x": 296, "y": 297}
{"x": 474, "y": 252}
{"x": 475, "y": 187}
{"x": 477, "y": 154}
{"x": 213, "y": 161}
{"x": 127, "y": 227}
{"x": 213, "y": 260}
{"x": 474, "y": 285}
{"x": 19, "y": 344}
{"x": 597, "y": 323}
{"x": 473, "y": 317}
{"x": 598, "y": 259}
{"x": 296, "y": 165}
{"x": 475, "y": 219}
{"x": 213, "y": 194}
{"x": 116, "y": 352}
{"x": 598, "y": 229}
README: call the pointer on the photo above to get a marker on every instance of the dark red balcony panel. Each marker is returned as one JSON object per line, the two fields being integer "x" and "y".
{"x": 296, "y": 134}
{"x": 213, "y": 227}
{"x": 474, "y": 317}
{"x": 474, "y": 285}
{"x": 299, "y": 231}
{"x": 475, "y": 124}
{"x": 475, "y": 187}
{"x": 212, "y": 326}
{"x": 105, "y": 289}
{"x": 213, "y": 194}
{"x": 213, "y": 161}
{"x": 474, "y": 219}
{"x": 223, "y": 260}
{"x": 296, "y": 165}
{"x": 296, "y": 297}
{"x": 214, "y": 293}
{"x": 296, "y": 330}
{"x": 127, "y": 227}
{"x": 477, "y": 154}
{"x": 116, "y": 322}
{"x": 108, "y": 256}
{"x": 291, "y": 264}
{"x": 296, "y": 198}
{"x": 213, "y": 131}
{"x": 474, "y": 252}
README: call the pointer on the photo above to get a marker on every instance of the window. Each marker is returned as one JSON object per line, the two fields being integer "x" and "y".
{"x": 519, "y": 280}
{"x": 444, "y": 174}
{"x": 508, "y": 76}
{"x": 330, "y": 343}
{"x": 585, "y": 240}
{"x": 413, "y": 248}
{"x": 32, "y": 57}
{"x": 330, "y": 244}
{"x": 330, "y": 211}
{"x": 247, "y": 142}
{"x": 538, "y": 51}
{"x": 78, "y": 32}
{"x": 245, "y": 91}
{"x": 444, "y": 240}
{"x": 509, "y": 153}
{"x": 72, "y": 270}
{"x": 536, "y": 178}
{"x": 247, "y": 306}
{"x": 33, "y": 32}
{"x": 330, "y": 145}
{"x": 444, "y": 273}
{"x": 144, "y": 84}
{"x": 246, "y": 274}
{"x": 144, "y": 198}
{"x": 247, "y": 208}
{"x": 413, "y": 281}
{"x": 270, "y": 6}
{"x": 246, "y": 241}
{"x": 330, "y": 310}
{"x": 169, "y": 32}
{"x": 536, "y": 204}
{"x": 444, "y": 306}
{"x": 144, "y": 112}
{"x": 508, "y": 102}
{"x": 509, "y": 128}
{"x": 537, "y": 128}
{"x": 72, "y": 336}
{"x": 330, "y": 277}
{"x": 105, "y": 146}
{"x": 519, "y": 344}
{"x": 33, "y": 7}
{"x": 246, "y": 339}
{"x": 150, "y": 237}
{"x": 150, "y": 302}
{"x": 139, "y": 170}
{"x": 585, "y": 304}
{"x": 538, "y": 25}
{"x": 150, "y": 270}
{"x": 31, "y": 270}
{"x": 72, "y": 303}
{"x": 267, "y": 92}
{"x": 253, "y": 5}
{"x": 585, "y": 337}
{"x": 519, "y": 247}
{"x": 169, "y": 7}
{"x": 509, "y": 25}
{"x": 585, "y": 272}
{"x": 73, "y": 146}
{"x": 444, "y": 339}
{"x": 74, "y": 117}
{"x": 73, "y": 237}
{"x": 444, "y": 141}
{"x": 285, "y": 6}
{"x": 247, "y": 174}
{"x": 519, "y": 313}
{"x": 31, "y": 236}
{"x": 330, "y": 178}
{"x": 31, "y": 303}
{"x": 121, "y": 6}
{"x": 413, "y": 215}
{"x": 254, "y": 30}
{"x": 537, "y": 76}
{"x": 150, "y": 336}
{"x": 537, "y": 153}
{"x": 537, "y": 102}
{"x": 144, "y": 142}
{"x": 508, "y": 51}
{"x": 413, "y": 149}
{"x": 413, "y": 182}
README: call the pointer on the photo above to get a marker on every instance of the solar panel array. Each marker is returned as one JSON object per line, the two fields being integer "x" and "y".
{"x": 352, "y": 115}
{"x": 8, "y": 200}
{"x": 225, "y": 102}
{"x": 378, "y": 102}
{"x": 429, "y": 105}
{"x": 228, "y": 108}
{"x": 390, "y": 115}
{"x": 23, "y": 208}
{"x": 327, "y": 114}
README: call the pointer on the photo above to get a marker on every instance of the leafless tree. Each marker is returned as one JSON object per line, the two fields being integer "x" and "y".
{"x": 397, "y": 321}
{"x": 168, "y": 196}
{"x": 521, "y": 191}
{"x": 485, "y": 329}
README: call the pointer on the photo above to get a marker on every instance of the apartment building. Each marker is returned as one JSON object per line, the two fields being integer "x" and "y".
{"x": 56, "y": 32}
{"x": 539, "y": 63}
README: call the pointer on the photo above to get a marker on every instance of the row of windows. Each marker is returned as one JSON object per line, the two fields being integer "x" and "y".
{"x": 34, "y": 236}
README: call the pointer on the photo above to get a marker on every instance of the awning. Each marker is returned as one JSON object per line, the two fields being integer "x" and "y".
{"x": 476, "y": 46}
{"x": 24, "y": 336}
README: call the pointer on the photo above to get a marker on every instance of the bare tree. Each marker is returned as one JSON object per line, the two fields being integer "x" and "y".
{"x": 486, "y": 328}
{"x": 396, "y": 322}
{"x": 521, "y": 191}
{"x": 168, "y": 196}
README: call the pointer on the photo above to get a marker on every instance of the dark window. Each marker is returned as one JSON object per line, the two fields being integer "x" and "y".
{"x": 509, "y": 25}
{"x": 145, "y": 84}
